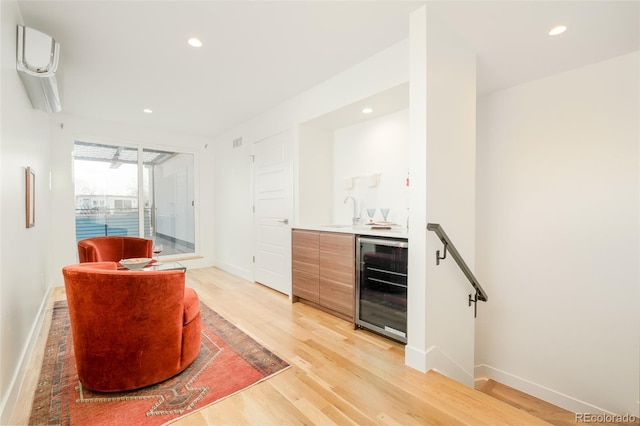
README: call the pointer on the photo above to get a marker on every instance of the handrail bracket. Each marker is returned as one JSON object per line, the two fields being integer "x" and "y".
{"x": 475, "y": 307}
{"x": 449, "y": 246}
{"x": 438, "y": 258}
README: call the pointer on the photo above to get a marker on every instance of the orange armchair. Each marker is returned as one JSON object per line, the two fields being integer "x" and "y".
{"x": 113, "y": 248}
{"x": 130, "y": 328}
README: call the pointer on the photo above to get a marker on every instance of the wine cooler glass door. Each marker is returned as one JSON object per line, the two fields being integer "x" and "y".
{"x": 382, "y": 286}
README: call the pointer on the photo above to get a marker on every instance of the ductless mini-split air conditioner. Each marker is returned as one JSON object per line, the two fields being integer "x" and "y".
{"x": 37, "y": 65}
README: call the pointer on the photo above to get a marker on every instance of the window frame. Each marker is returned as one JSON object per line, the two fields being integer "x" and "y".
{"x": 140, "y": 147}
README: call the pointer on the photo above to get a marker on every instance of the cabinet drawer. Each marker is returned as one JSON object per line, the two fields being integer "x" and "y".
{"x": 308, "y": 268}
{"x": 337, "y": 250}
{"x": 304, "y": 255}
{"x": 342, "y": 273}
{"x": 338, "y": 296}
{"x": 306, "y": 285}
{"x": 337, "y": 258}
{"x": 304, "y": 250}
{"x": 305, "y": 240}
{"x": 331, "y": 242}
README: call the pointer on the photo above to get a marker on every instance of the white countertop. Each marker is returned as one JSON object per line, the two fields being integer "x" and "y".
{"x": 394, "y": 232}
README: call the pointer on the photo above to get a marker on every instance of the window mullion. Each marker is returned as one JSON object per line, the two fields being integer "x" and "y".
{"x": 140, "y": 193}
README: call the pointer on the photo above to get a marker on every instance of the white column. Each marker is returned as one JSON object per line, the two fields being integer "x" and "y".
{"x": 443, "y": 93}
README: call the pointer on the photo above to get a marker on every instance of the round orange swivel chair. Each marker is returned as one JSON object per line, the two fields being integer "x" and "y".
{"x": 113, "y": 248}
{"x": 130, "y": 328}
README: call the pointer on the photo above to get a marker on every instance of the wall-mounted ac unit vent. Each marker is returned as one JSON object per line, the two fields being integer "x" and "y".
{"x": 237, "y": 142}
{"x": 37, "y": 64}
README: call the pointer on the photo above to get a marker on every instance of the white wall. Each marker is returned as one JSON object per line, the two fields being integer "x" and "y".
{"x": 66, "y": 129}
{"x": 442, "y": 167}
{"x": 314, "y": 169}
{"x": 233, "y": 179}
{"x": 25, "y": 253}
{"x": 377, "y": 146}
{"x": 415, "y": 351}
{"x": 558, "y": 237}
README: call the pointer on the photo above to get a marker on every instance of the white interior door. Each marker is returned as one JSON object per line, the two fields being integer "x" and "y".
{"x": 273, "y": 181}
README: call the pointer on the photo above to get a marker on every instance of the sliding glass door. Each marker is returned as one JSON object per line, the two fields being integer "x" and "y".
{"x": 169, "y": 196}
{"x": 135, "y": 191}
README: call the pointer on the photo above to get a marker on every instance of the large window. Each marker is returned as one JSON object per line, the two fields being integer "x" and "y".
{"x": 135, "y": 191}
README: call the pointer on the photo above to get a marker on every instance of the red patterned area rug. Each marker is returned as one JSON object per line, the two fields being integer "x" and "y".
{"x": 229, "y": 362}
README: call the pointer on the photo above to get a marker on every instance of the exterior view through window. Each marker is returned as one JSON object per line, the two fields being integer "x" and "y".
{"x": 136, "y": 192}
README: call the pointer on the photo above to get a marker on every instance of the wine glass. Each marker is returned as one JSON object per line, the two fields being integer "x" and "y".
{"x": 370, "y": 213}
{"x": 385, "y": 213}
{"x": 157, "y": 249}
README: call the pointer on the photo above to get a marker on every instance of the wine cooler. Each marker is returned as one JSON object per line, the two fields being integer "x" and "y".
{"x": 381, "y": 286}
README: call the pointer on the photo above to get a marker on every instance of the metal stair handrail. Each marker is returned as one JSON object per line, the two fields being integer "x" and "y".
{"x": 448, "y": 245}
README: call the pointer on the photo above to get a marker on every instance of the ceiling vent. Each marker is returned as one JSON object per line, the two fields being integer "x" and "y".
{"x": 37, "y": 64}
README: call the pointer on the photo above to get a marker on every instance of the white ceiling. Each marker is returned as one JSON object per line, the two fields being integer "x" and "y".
{"x": 120, "y": 57}
{"x": 512, "y": 41}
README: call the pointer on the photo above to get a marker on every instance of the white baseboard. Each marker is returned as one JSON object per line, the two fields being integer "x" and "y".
{"x": 435, "y": 359}
{"x": 485, "y": 372}
{"x": 235, "y": 270}
{"x": 9, "y": 402}
{"x": 415, "y": 358}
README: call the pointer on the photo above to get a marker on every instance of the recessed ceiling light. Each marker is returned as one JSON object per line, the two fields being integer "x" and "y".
{"x": 367, "y": 110}
{"x": 559, "y": 29}
{"x": 194, "y": 42}
{"x": 147, "y": 111}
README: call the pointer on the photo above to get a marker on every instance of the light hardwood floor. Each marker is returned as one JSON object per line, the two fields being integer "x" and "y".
{"x": 338, "y": 375}
{"x": 542, "y": 409}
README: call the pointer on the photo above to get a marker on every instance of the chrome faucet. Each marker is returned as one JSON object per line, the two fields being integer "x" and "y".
{"x": 355, "y": 219}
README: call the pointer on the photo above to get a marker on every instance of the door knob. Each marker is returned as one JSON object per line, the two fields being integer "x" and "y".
{"x": 285, "y": 221}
